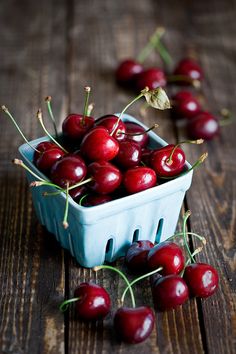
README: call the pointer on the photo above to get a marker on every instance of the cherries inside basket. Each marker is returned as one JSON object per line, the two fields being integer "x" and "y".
{"x": 95, "y": 161}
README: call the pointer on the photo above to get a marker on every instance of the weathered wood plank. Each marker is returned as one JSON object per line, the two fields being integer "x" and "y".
{"x": 31, "y": 262}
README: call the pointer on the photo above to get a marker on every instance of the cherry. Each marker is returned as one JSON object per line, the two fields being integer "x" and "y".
{"x": 105, "y": 177}
{"x": 169, "y": 292}
{"x": 69, "y": 170}
{"x": 146, "y": 153}
{"x": 139, "y": 178}
{"x": 126, "y": 72}
{"x": 129, "y": 154}
{"x": 167, "y": 161}
{"x": 187, "y": 108}
{"x": 204, "y": 125}
{"x": 109, "y": 121}
{"x": 97, "y": 145}
{"x": 95, "y": 199}
{"x": 167, "y": 255}
{"x": 151, "y": 78}
{"x": 202, "y": 279}
{"x": 46, "y": 154}
{"x": 134, "y": 325}
{"x": 133, "y": 128}
{"x": 92, "y": 302}
{"x": 136, "y": 256}
{"x": 78, "y": 193}
{"x": 181, "y": 96}
{"x": 190, "y": 69}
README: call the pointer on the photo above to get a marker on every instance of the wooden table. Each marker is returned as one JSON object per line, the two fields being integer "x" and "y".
{"x": 56, "y": 48}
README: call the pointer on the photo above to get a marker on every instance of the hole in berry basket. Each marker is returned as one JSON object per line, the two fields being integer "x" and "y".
{"x": 135, "y": 236}
{"x": 159, "y": 230}
{"x": 109, "y": 249}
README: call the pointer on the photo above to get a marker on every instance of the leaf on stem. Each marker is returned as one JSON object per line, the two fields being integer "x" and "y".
{"x": 156, "y": 98}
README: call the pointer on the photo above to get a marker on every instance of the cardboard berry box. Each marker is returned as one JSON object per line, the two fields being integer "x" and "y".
{"x": 104, "y": 232}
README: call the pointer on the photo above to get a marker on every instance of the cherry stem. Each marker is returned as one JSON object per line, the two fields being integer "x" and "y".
{"x": 40, "y": 118}
{"x": 65, "y": 304}
{"x": 186, "y": 216}
{"x": 135, "y": 134}
{"x": 195, "y": 165}
{"x": 163, "y": 52}
{"x": 137, "y": 280}
{"x": 83, "y": 198}
{"x": 81, "y": 183}
{"x": 46, "y": 183}
{"x": 21, "y": 163}
{"x": 201, "y": 238}
{"x": 226, "y": 117}
{"x": 198, "y": 142}
{"x": 87, "y": 90}
{"x": 126, "y": 107}
{"x": 51, "y": 115}
{"x": 90, "y": 109}
{"x": 123, "y": 276}
{"x": 5, "y": 110}
{"x": 65, "y": 222}
{"x": 175, "y": 78}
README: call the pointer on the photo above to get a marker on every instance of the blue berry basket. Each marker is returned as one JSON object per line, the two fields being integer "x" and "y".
{"x": 104, "y": 232}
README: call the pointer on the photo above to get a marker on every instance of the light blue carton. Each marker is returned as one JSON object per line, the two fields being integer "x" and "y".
{"x": 104, "y": 232}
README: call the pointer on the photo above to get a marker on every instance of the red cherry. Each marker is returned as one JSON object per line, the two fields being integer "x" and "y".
{"x": 161, "y": 163}
{"x": 182, "y": 96}
{"x": 96, "y": 199}
{"x": 189, "y": 68}
{"x": 46, "y": 155}
{"x": 134, "y": 325}
{"x": 137, "y": 179}
{"x": 202, "y": 279}
{"x": 70, "y": 169}
{"x": 94, "y": 302}
{"x": 98, "y": 145}
{"x": 133, "y": 128}
{"x": 126, "y": 72}
{"x": 151, "y": 78}
{"x": 169, "y": 292}
{"x": 204, "y": 125}
{"x": 105, "y": 177}
{"x": 109, "y": 122}
{"x": 77, "y": 193}
{"x": 167, "y": 255}
{"x": 187, "y": 108}
{"x": 75, "y": 126}
{"x": 129, "y": 154}
{"x": 136, "y": 256}
{"x": 145, "y": 158}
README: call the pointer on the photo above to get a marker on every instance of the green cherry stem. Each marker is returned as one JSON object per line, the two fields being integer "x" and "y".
{"x": 201, "y": 238}
{"x": 40, "y": 118}
{"x": 186, "y": 216}
{"x": 136, "y": 134}
{"x": 175, "y": 78}
{"x": 80, "y": 183}
{"x": 122, "y": 275}
{"x": 65, "y": 222}
{"x": 87, "y": 90}
{"x": 90, "y": 109}
{"x": 169, "y": 161}
{"x": 65, "y": 304}
{"x": 152, "y": 43}
{"x": 137, "y": 280}
{"x": 163, "y": 52}
{"x": 83, "y": 198}
{"x": 48, "y": 100}
{"x": 8, "y": 113}
{"x": 45, "y": 183}
{"x": 21, "y": 163}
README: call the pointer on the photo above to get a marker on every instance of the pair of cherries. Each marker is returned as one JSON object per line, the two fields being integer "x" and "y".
{"x": 174, "y": 280}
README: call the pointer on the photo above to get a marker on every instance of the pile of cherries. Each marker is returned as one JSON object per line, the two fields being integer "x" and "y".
{"x": 131, "y": 73}
{"x": 175, "y": 276}
{"x": 95, "y": 161}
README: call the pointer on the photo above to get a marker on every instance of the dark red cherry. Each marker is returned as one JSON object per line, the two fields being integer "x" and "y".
{"x": 94, "y": 302}
{"x": 151, "y": 78}
{"x": 138, "y": 179}
{"x": 145, "y": 158}
{"x": 129, "y": 154}
{"x": 48, "y": 153}
{"x": 109, "y": 122}
{"x": 187, "y": 108}
{"x": 136, "y": 256}
{"x": 204, "y": 125}
{"x": 98, "y": 145}
{"x": 106, "y": 178}
{"x": 126, "y": 72}
{"x": 134, "y": 325}
{"x": 133, "y": 128}
{"x": 77, "y": 193}
{"x": 96, "y": 199}
{"x": 167, "y": 255}
{"x": 190, "y": 68}
{"x": 202, "y": 279}
{"x": 169, "y": 292}
{"x": 70, "y": 169}
{"x": 164, "y": 166}
{"x": 75, "y": 126}
{"x": 182, "y": 96}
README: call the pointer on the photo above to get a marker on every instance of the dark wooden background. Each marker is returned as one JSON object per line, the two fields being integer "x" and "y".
{"x": 55, "y": 48}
